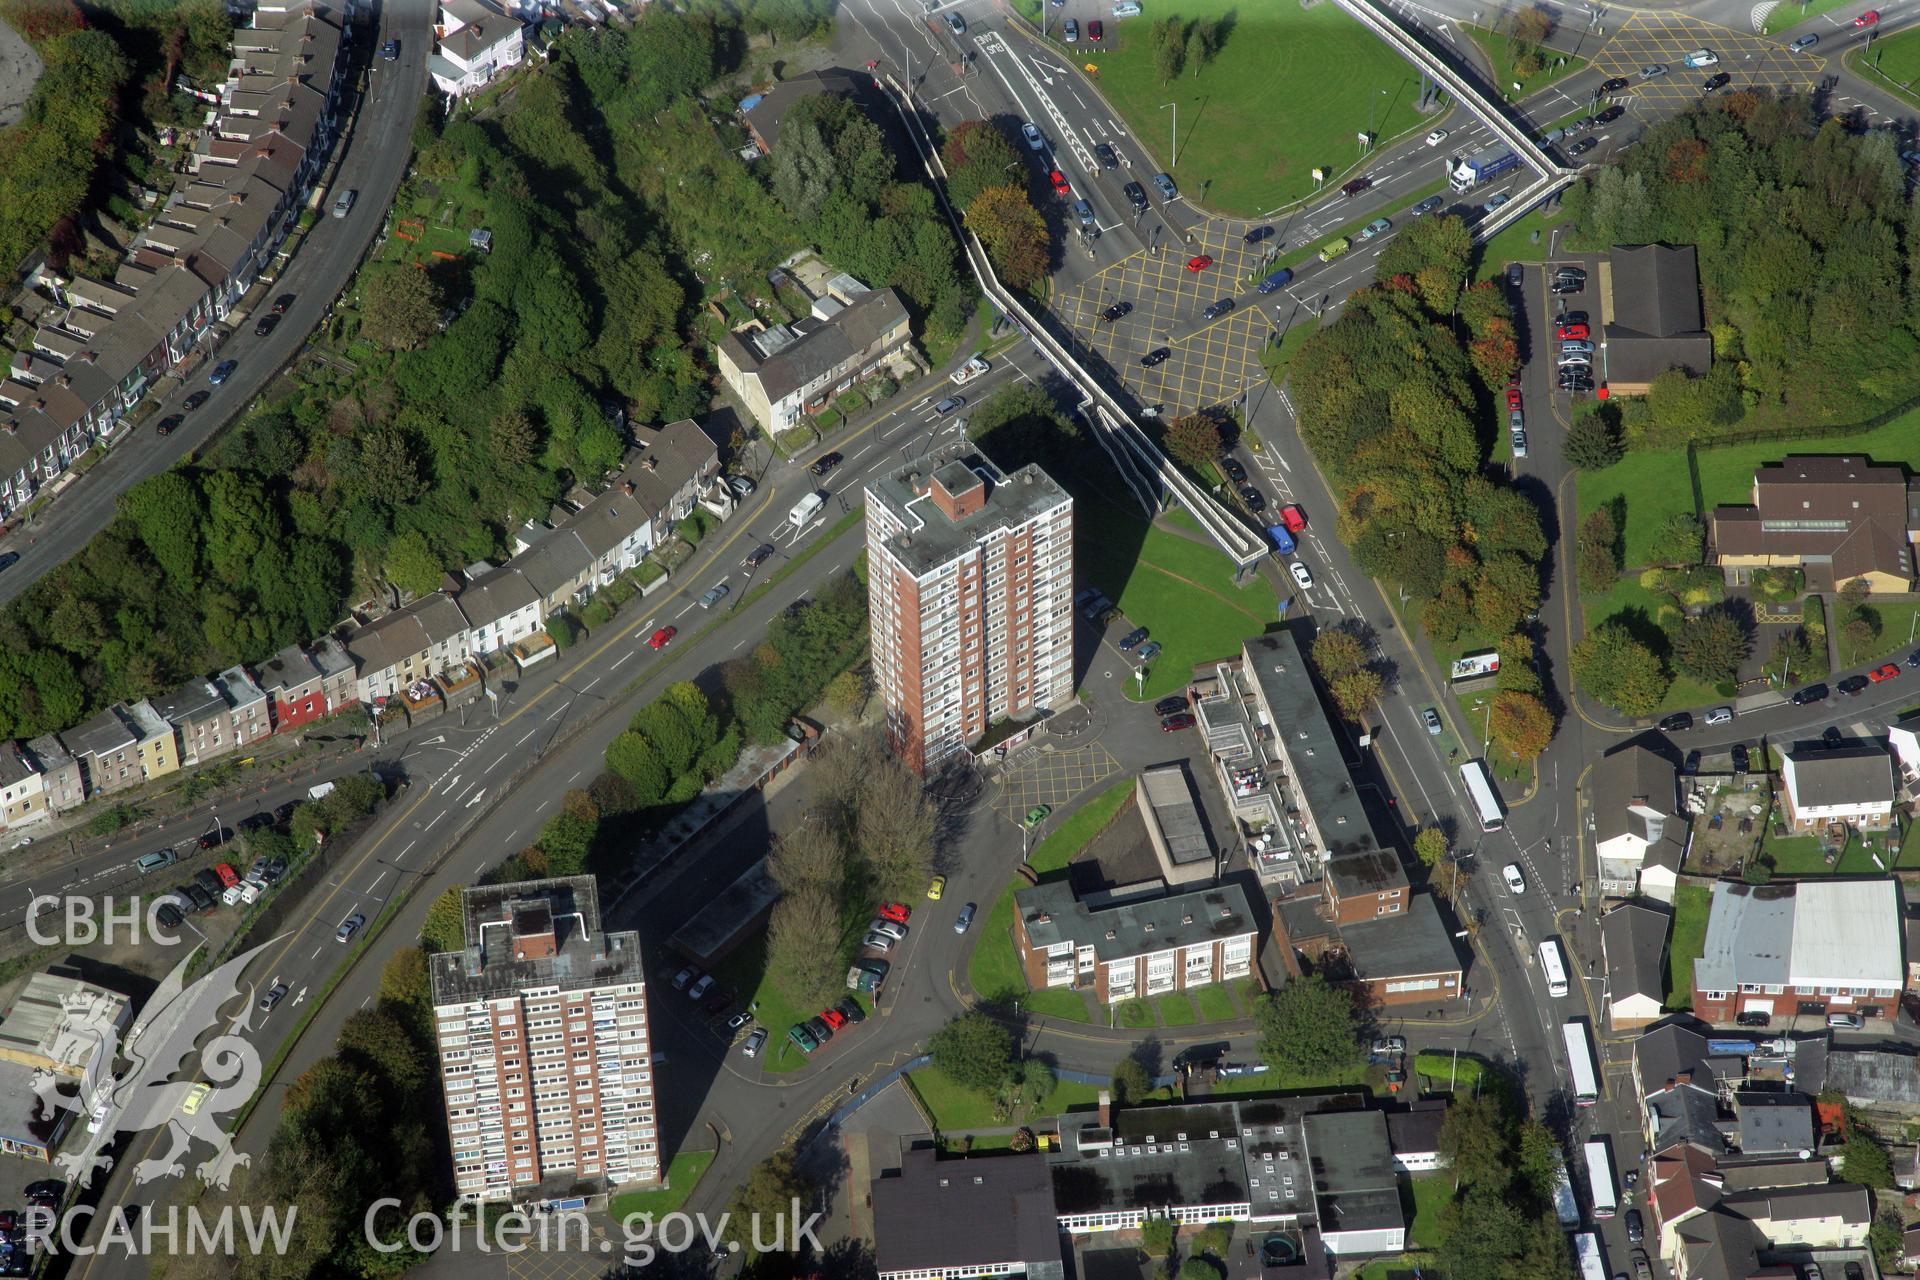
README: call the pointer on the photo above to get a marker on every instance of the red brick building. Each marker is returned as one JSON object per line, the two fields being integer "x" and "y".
{"x": 1133, "y": 941}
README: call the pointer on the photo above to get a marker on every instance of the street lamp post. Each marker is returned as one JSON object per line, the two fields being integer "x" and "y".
{"x": 1176, "y": 130}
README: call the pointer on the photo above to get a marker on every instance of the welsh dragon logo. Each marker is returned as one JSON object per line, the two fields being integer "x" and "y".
{"x": 141, "y": 1096}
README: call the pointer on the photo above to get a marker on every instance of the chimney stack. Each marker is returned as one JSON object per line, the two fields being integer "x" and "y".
{"x": 1106, "y": 1109}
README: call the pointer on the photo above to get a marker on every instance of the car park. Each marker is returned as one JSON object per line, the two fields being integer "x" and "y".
{"x": 1032, "y": 135}
{"x": 1810, "y": 693}
{"x": 1168, "y": 706}
{"x": 1354, "y": 188}
{"x": 1516, "y": 880}
{"x": 1117, "y": 310}
{"x": 1070, "y": 30}
{"x": 1804, "y": 42}
{"x": 1175, "y": 723}
{"x": 1164, "y": 185}
{"x": 1431, "y": 719}
{"x": 1133, "y": 639}
{"x": 1379, "y": 226}
{"x": 1148, "y": 651}
{"x": 1154, "y": 357}
{"x": 222, "y": 371}
{"x": 943, "y": 408}
{"x": 1615, "y": 85}
{"x": 823, "y": 464}
{"x": 659, "y": 639}
{"x": 758, "y": 556}
{"x": 1255, "y": 500}
{"x": 1217, "y": 309}
{"x": 1852, "y": 685}
{"x": 802, "y": 1038}
{"x": 750, "y": 1048}
{"x": 1136, "y": 196}
{"x": 1095, "y": 30}
{"x": 1301, "y": 574}
{"x": 1653, "y": 69}
{"x": 851, "y": 1014}
{"x": 964, "y": 921}
{"x": 1104, "y": 154}
{"x": 714, "y": 595}
{"x": 1200, "y": 262}
{"x": 1437, "y": 137}
{"x": 1425, "y": 207}
{"x": 349, "y": 927}
{"x": 1720, "y": 715}
{"x": 1715, "y": 82}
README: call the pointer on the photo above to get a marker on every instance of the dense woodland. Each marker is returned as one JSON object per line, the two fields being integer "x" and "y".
{"x": 420, "y": 443}
{"x": 1809, "y": 261}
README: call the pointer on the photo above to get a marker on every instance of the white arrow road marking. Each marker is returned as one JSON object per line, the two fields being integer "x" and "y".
{"x": 302, "y": 996}
{"x": 477, "y": 797}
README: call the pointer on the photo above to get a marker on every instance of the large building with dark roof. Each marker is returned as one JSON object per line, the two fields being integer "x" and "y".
{"x": 1835, "y": 518}
{"x": 1650, "y": 303}
{"x": 1137, "y": 940}
{"x": 948, "y": 1219}
{"x": 541, "y": 1021}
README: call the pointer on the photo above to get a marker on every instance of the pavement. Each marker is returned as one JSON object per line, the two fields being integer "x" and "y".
{"x": 371, "y": 157}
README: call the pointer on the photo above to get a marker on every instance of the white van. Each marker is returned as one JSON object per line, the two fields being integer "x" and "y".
{"x": 805, "y": 510}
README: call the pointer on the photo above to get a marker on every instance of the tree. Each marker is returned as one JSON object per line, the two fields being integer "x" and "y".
{"x": 1337, "y": 651}
{"x": 1194, "y": 440}
{"x": 1532, "y": 26}
{"x": 1213, "y": 1239}
{"x": 400, "y": 307}
{"x": 1885, "y": 1237}
{"x": 1430, "y": 846}
{"x": 1864, "y": 1161}
{"x": 404, "y": 982}
{"x": 412, "y": 566}
{"x": 1355, "y": 691}
{"x": 1678, "y": 541}
{"x": 1169, "y": 39}
{"x": 802, "y": 949}
{"x": 1156, "y": 1237}
{"x": 974, "y": 1052}
{"x": 445, "y": 928}
{"x": 1521, "y": 723}
{"x": 382, "y": 1044}
{"x": 895, "y": 831}
{"x": 1199, "y": 1269}
{"x": 1850, "y": 601}
{"x": 514, "y": 438}
{"x": 1131, "y": 1083}
{"x": 1013, "y": 232}
{"x": 846, "y": 693}
{"x": 1615, "y": 668}
{"x": 1476, "y": 1140}
{"x": 978, "y": 155}
{"x": 1593, "y": 444}
{"x": 1597, "y": 558}
{"x": 1198, "y": 50}
{"x": 1037, "y": 1081}
{"x": 768, "y": 1192}
{"x": 1308, "y": 1026}
{"x": 1711, "y": 646}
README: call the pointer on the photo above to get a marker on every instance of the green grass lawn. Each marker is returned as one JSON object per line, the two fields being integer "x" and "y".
{"x": 994, "y": 969}
{"x": 1275, "y": 356}
{"x": 1499, "y": 50}
{"x": 1289, "y": 89}
{"x": 1898, "y": 634}
{"x": 1691, "y": 902}
{"x": 1278, "y": 1080}
{"x": 1893, "y": 64}
{"x": 1180, "y": 590}
{"x": 1430, "y": 1193}
{"x": 1400, "y": 1268}
{"x": 1524, "y": 241}
{"x": 953, "y": 1107}
{"x": 1215, "y": 1003}
{"x": 1806, "y": 856}
{"x": 1176, "y": 1010}
{"x": 1792, "y": 14}
{"x": 746, "y": 972}
{"x": 684, "y": 1172}
{"x": 1444, "y": 1072}
{"x": 1137, "y": 1014}
{"x": 1653, "y": 482}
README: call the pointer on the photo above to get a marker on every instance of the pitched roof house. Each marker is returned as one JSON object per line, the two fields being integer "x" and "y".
{"x": 1851, "y": 783}
{"x": 475, "y": 42}
{"x": 785, "y": 371}
{"x": 1836, "y": 518}
{"x": 1636, "y": 814}
{"x": 1633, "y": 942}
{"x": 1652, "y": 297}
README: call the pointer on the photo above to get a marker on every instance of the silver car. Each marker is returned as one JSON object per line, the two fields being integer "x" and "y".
{"x": 714, "y": 596}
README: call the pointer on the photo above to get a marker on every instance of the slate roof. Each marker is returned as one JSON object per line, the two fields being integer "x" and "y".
{"x": 1634, "y": 941}
{"x": 1841, "y": 508}
{"x": 1656, "y": 325}
{"x": 1875, "y": 1076}
{"x": 1635, "y": 792}
{"x": 1856, "y": 773}
{"x": 766, "y": 115}
{"x": 938, "y": 1214}
{"x": 819, "y": 347}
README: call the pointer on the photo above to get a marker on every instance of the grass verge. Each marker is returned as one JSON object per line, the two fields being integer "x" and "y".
{"x": 1500, "y": 49}
{"x": 684, "y": 1172}
{"x": 1691, "y": 902}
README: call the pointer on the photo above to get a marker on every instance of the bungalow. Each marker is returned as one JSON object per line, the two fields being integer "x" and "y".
{"x": 1851, "y": 783}
{"x": 1835, "y": 518}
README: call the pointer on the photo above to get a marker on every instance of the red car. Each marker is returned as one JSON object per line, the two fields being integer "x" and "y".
{"x": 1095, "y": 30}
{"x": 898, "y": 912}
{"x": 1887, "y": 672}
{"x": 1867, "y": 19}
{"x": 229, "y": 877}
{"x": 1293, "y": 517}
{"x": 1059, "y": 181}
{"x": 1573, "y": 331}
{"x": 1513, "y": 397}
{"x": 833, "y": 1018}
{"x": 659, "y": 638}
{"x": 1174, "y": 724}
{"x": 1200, "y": 263}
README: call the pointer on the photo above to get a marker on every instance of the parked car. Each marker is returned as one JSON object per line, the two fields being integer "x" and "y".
{"x": 1032, "y": 135}
{"x": 1255, "y": 500}
{"x": 1887, "y": 672}
{"x": 850, "y": 1011}
{"x": 1719, "y": 81}
{"x": 1636, "y": 1227}
{"x": 891, "y": 928}
{"x": 1070, "y": 30}
{"x": 753, "y": 1043}
{"x": 281, "y": 303}
{"x": 1171, "y": 706}
{"x": 1811, "y": 693}
{"x": 1431, "y": 719}
{"x": 1751, "y": 1018}
{"x": 1164, "y": 185}
{"x": 1852, "y": 685}
{"x": 266, "y": 324}
{"x": 1117, "y": 310}
{"x": 1199, "y": 262}
{"x": 1846, "y": 1021}
{"x": 686, "y": 975}
{"x": 878, "y": 942}
{"x": 1038, "y": 814}
{"x": 803, "y": 1038}
{"x": 1148, "y": 651}
{"x": 963, "y": 921}
{"x": 1720, "y": 715}
{"x": 195, "y": 400}
{"x": 834, "y": 1019}
{"x": 1095, "y": 30}
{"x": 167, "y": 424}
{"x": 222, "y": 371}
{"x": 1741, "y": 759}
{"x": 1133, "y": 638}
{"x": 1154, "y": 357}
{"x": 1678, "y": 722}
{"x": 898, "y": 912}
{"x": 1217, "y": 309}
{"x": 1255, "y": 235}
{"x": 1234, "y": 471}
{"x": 1175, "y": 723}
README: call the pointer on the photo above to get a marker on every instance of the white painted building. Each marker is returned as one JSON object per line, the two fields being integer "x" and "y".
{"x": 475, "y": 42}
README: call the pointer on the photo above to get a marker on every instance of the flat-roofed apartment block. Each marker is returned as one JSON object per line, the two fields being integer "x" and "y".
{"x": 542, "y": 1028}
{"x": 1135, "y": 940}
{"x": 970, "y": 588}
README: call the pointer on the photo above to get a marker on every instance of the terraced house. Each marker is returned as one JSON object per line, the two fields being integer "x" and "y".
{"x": 104, "y": 343}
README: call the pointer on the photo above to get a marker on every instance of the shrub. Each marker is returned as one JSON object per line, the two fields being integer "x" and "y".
{"x": 564, "y": 631}
{"x": 1156, "y": 1237}
{"x": 597, "y": 613}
